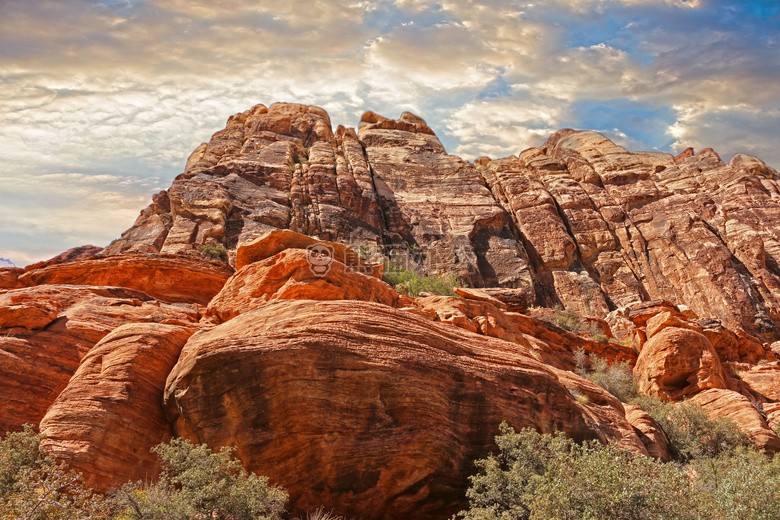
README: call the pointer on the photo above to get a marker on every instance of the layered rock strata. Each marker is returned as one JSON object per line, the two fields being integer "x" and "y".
{"x": 578, "y": 222}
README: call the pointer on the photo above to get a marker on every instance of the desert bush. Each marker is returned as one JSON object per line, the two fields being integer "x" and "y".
{"x": 617, "y": 378}
{"x": 568, "y": 319}
{"x": 412, "y": 283}
{"x": 542, "y": 476}
{"x": 35, "y": 487}
{"x": 198, "y": 484}
{"x": 592, "y": 481}
{"x": 691, "y": 432}
{"x": 217, "y": 252}
{"x": 741, "y": 485}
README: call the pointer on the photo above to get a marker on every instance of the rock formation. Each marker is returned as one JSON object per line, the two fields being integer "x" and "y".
{"x": 246, "y": 307}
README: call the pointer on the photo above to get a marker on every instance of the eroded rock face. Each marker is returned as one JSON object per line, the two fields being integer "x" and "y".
{"x": 578, "y": 222}
{"x": 46, "y": 330}
{"x": 167, "y": 278}
{"x": 369, "y": 410}
{"x": 737, "y": 407}
{"x": 678, "y": 362}
{"x": 289, "y": 275}
{"x": 110, "y": 415}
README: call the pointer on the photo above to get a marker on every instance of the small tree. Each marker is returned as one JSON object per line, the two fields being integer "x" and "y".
{"x": 199, "y": 484}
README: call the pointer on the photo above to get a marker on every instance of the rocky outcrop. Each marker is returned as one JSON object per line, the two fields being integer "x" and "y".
{"x": 9, "y": 278}
{"x": 369, "y": 410}
{"x": 246, "y": 307}
{"x": 290, "y": 275}
{"x": 110, "y": 414}
{"x": 167, "y": 278}
{"x": 578, "y": 222}
{"x": 737, "y": 407}
{"x": 45, "y": 331}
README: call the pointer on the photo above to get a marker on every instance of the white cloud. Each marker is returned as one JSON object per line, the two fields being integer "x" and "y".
{"x": 128, "y": 91}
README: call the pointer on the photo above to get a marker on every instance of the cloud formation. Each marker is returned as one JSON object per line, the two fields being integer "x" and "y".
{"x": 101, "y": 101}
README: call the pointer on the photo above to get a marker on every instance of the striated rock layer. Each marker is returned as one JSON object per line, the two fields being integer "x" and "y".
{"x": 372, "y": 411}
{"x": 579, "y": 222}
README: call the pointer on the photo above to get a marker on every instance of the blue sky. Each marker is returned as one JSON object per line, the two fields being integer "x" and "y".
{"x": 101, "y": 101}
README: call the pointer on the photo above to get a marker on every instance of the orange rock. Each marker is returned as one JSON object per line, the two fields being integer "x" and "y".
{"x": 385, "y": 410}
{"x": 288, "y": 276}
{"x": 727, "y": 403}
{"x": 676, "y": 363}
{"x": 649, "y": 432}
{"x": 164, "y": 277}
{"x": 36, "y": 364}
{"x": 34, "y": 368}
{"x": 479, "y": 316}
{"x": 110, "y": 415}
{"x": 764, "y": 380}
{"x": 668, "y": 319}
{"x": 277, "y": 240}
{"x": 9, "y": 278}
{"x": 570, "y": 342}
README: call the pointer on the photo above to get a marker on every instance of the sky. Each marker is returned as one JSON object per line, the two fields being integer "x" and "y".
{"x": 102, "y": 101}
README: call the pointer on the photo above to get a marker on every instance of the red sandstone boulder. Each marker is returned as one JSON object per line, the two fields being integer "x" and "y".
{"x": 727, "y": 403}
{"x": 676, "y": 363}
{"x": 9, "y": 278}
{"x": 166, "y": 278}
{"x": 649, "y": 432}
{"x": 289, "y": 275}
{"x": 372, "y": 411}
{"x": 110, "y": 415}
{"x": 36, "y": 364}
{"x": 277, "y": 240}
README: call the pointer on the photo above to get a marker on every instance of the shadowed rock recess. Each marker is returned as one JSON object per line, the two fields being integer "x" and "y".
{"x": 206, "y": 319}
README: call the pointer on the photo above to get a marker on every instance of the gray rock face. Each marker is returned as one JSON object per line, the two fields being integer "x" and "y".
{"x": 579, "y": 222}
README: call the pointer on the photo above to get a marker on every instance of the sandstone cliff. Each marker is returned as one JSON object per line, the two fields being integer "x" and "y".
{"x": 367, "y": 401}
{"x": 579, "y": 222}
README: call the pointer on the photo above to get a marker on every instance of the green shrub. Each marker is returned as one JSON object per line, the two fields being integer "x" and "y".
{"x": 617, "y": 379}
{"x": 412, "y": 283}
{"x": 568, "y": 319}
{"x": 198, "y": 484}
{"x": 35, "y": 487}
{"x": 691, "y": 432}
{"x": 538, "y": 476}
{"x": 217, "y": 252}
{"x": 742, "y": 485}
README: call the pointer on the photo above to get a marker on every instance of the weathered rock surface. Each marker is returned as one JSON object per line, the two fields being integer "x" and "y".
{"x": 289, "y": 275}
{"x": 110, "y": 415}
{"x": 277, "y": 240}
{"x": 579, "y": 222}
{"x": 648, "y": 431}
{"x": 46, "y": 330}
{"x": 9, "y": 278}
{"x": 737, "y": 407}
{"x": 167, "y": 278}
{"x": 369, "y": 410}
{"x": 366, "y": 401}
{"x": 678, "y": 362}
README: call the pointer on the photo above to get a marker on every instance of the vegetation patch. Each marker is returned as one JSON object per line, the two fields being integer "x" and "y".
{"x": 216, "y": 252}
{"x": 412, "y": 283}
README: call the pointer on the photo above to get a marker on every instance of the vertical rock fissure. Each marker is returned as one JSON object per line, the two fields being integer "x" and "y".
{"x": 380, "y": 203}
